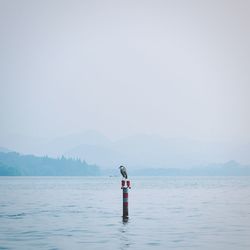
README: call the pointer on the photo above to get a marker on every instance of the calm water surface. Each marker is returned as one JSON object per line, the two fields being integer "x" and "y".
{"x": 85, "y": 213}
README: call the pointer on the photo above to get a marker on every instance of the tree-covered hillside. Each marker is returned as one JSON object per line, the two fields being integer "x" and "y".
{"x": 29, "y": 165}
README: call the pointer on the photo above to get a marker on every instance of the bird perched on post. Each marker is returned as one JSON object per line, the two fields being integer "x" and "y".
{"x": 123, "y": 171}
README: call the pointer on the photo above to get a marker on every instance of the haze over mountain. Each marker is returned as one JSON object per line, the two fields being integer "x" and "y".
{"x": 138, "y": 151}
{"x": 4, "y": 150}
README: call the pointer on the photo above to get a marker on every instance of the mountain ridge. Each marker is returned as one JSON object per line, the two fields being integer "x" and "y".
{"x": 140, "y": 151}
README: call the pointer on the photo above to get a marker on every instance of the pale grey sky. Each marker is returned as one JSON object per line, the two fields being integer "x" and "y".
{"x": 173, "y": 68}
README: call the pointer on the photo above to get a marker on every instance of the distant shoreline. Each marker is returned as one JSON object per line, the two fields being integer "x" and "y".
{"x": 15, "y": 164}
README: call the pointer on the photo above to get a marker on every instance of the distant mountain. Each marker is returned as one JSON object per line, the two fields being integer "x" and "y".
{"x": 151, "y": 151}
{"x": 62, "y": 145}
{"x": 14, "y": 164}
{"x": 104, "y": 155}
{"x": 29, "y": 165}
{"x": 138, "y": 151}
{"x": 230, "y": 168}
{"x": 4, "y": 150}
{"x": 157, "y": 151}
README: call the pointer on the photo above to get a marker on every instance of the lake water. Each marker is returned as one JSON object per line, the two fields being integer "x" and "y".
{"x": 85, "y": 213}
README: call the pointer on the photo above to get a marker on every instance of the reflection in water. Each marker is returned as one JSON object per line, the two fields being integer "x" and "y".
{"x": 125, "y": 241}
{"x": 125, "y": 220}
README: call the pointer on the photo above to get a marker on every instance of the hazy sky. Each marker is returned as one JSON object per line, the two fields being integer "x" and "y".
{"x": 174, "y": 68}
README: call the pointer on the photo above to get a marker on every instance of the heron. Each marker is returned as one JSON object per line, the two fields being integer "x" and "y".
{"x": 123, "y": 171}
